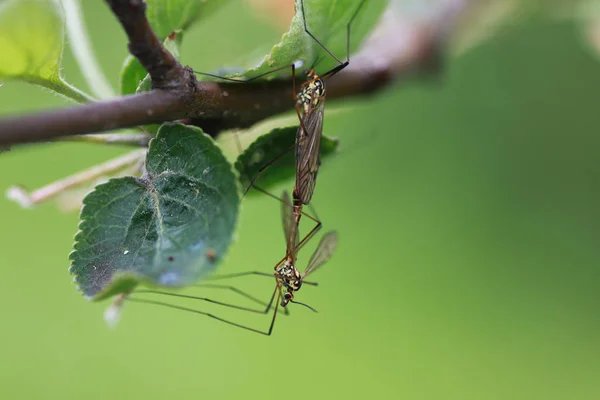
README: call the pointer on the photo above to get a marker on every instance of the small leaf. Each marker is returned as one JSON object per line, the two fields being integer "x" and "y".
{"x": 31, "y": 44}
{"x": 167, "y": 16}
{"x": 132, "y": 75}
{"x": 145, "y": 85}
{"x": 134, "y": 78}
{"x": 327, "y": 21}
{"x": 268, "y": 147}
{"x": 169, "y": 228}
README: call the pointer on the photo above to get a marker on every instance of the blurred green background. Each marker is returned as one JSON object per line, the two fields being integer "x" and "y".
{"x": 469, "y": 216}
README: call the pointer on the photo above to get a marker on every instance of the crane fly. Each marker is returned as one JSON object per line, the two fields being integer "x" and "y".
{"x": 288, "y": 279}
{"x": 287, "y": 276}
{"x": 310, "y": 107}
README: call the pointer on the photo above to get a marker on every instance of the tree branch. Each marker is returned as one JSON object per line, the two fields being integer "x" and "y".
{"x": 166, "y": 72}
{"x": 397, "y": 49}
{"x": 146, "y": 108}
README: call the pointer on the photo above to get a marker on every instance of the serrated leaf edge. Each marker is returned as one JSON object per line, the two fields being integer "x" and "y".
{"x": 102, "y": 294}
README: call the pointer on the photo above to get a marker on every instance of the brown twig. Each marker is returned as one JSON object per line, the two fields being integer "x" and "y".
{"x": 141, "y": 139}
{"x": 27, "y": 199}
{"x": 166, "y": 72}
{"x": 216, "y": 106}
{"x": 146, "y": 108}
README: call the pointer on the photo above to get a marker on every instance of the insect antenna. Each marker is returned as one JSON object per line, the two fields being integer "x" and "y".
{"x": 305, "y": 305}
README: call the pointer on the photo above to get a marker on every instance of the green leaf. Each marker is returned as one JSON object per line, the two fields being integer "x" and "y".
{"x": 169, "y": 228}
{"x": 327, "y": 21}
{"x": 31, "y": 44}
{"x": 134, "y": 78}
{"x": 172, "y": 43}
{"x": 277, "y": 143}
{"x": 167, "y": 16}
{"x": 132, "y": 75}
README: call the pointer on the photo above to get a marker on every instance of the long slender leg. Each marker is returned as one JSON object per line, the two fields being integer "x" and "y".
{"x": 309, "y": 236}
{"x": 316, "y": 220}
{"x": 341, "y": 65}
{"x": 238, "y": 274}
{"x": 268, "y": 333}
{"x": 259, "y": 273}
{"x": 233, "y": 289}
{"x": 313, "y": 212}
{"x": 185, "y": 296}
{"x": 278, "y": 289}
{"x": 264, "y": 167}
{"x": 240, "y": 292}
{"x": 238, "y": 80}
{"x": 267, "y": 165}
{"x": 347, "y": 30}
{"x": 304, "y": 240}
{"x": 293, "y": 65}
{"x": 313, "y": 36}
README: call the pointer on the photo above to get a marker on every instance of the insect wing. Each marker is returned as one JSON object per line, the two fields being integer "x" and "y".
{"x": 308, "y": 151}
{"x": 323, "y": 253}
{"x": 290, "y": 228}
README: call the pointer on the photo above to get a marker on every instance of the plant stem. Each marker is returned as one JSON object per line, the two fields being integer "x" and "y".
{"x": 396, "y": 49}
{"x": 128, "y": 111}
{"x": 82, "y": 50}
{"x": 128, "y": 139}
{"x": 28, "y": 200}
{"x": 164, "y": 69}
{"x": 65, "y": 89}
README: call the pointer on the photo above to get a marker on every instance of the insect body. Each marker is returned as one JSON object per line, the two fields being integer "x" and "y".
{"x": 286, "y": 274}
{"x": 310, "y": 107}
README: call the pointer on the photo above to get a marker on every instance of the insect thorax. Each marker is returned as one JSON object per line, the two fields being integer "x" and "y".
{"x": 312, "y": 94}
{"x": 290, "y": 277}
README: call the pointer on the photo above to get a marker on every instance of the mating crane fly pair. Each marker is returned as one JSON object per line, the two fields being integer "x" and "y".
{"x": 310, "y": 106}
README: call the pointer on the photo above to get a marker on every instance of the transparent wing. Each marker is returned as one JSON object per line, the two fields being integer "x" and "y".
{"x": 290, "y": 228}
{"x": 323, "y": 253}
{"x": 308, "y": 151}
